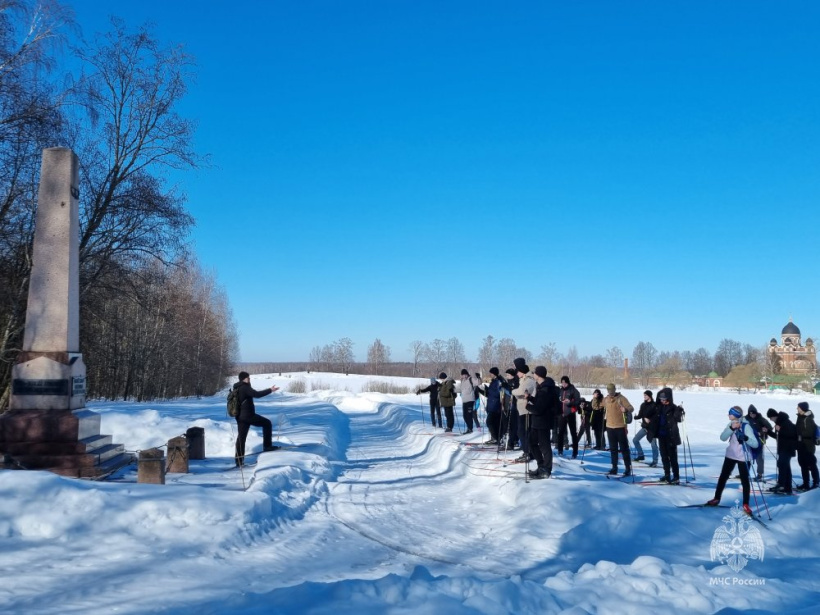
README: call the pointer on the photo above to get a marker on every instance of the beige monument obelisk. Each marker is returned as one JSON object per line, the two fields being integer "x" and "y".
{"x": 47, "y": 425}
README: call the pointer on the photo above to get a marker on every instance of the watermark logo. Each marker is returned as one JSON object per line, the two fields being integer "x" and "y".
{"x": 737, "y": 541}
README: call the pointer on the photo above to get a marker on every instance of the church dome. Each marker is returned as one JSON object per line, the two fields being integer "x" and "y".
{"x": 790, "y": 329}
{"x": 773, "y": 342}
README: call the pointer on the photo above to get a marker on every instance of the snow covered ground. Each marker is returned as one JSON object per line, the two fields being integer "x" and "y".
{"x": 371, "y": 511}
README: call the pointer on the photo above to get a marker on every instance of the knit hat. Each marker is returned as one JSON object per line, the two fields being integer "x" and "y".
{"x": 735, "y": 412}
{"x": 771, "y": 413}
{"x": 494, "y": 371}
{"x": 524, "y": 368}
{"x": 519, "y": 363}
{"x": 464, "y": 372}
{"x": 648, "y": 394}
{"x": 243, "y": 375}
{"x": 510, "y": 371}
{"x": 442, "y": 376}
{"x": 565, "y": 379}
{"x": 610, "y": 388}
{"x": 541, "y": 371}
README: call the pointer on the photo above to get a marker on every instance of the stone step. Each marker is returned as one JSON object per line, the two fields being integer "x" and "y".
{"x": 109, "y": 466}
{"x": 109, "y": 451}
{"x": 96, "y": 442}
{"x": 89, "y": 445}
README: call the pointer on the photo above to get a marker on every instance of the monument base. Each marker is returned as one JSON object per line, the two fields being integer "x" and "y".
{"x": 66, "y": 442}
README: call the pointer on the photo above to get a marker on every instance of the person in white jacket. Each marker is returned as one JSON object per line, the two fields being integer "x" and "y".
{"x": 741, "y": 437}
{"x": 467, "y": 390}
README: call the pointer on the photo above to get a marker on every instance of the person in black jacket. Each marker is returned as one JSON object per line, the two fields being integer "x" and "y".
{"x": 763, "y": 429}
{"x": 597, "y": 420}
{"x": 510, "y": 418}
{"x": 493, "y": 394}
{"x": 806, "y": 447}
{"x": 668, "y": 434}
{"x": 435, "y": 406}
{"x": 645, "y": 416}
{"x": 247, "y": 416}
{"x": 542, "y": 408}
{"x": 570, "y": 402}
{"x": 586, "y": 426}
{"x": 786, "y": 435}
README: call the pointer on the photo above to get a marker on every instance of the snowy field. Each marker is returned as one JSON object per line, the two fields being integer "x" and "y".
{"x": 369, "y": 510}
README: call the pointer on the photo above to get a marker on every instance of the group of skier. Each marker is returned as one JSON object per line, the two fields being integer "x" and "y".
{"x": 529, "y": 412}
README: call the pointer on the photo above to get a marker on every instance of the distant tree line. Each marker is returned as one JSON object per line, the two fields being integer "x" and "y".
{"x": 740, "y": 365}
{"x": 152, "y": 323}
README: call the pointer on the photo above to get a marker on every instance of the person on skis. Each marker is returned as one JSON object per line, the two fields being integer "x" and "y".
{"x": 741, "y": 438}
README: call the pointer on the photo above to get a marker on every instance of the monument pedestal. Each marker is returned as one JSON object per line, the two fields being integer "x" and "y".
{"x": 66, "y": 442}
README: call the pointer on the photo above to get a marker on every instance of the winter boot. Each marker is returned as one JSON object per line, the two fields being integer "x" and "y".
{"x": 664, "y": 479}
{"x": 639, "y": 458}
{"x": 748, "y": 510}
{"x": 612, "y": 472}
{"x": 712, "y": 502}
{"x": 627, "y": 472}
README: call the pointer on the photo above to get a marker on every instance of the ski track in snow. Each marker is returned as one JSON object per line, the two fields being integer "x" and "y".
{"x": 370, "y": 514}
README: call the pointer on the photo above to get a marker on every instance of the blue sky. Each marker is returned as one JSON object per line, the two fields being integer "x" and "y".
{"x": 585, "y": 173}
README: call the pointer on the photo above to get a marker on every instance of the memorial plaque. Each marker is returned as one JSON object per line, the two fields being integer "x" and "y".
{"x": 39, "y": 387}
{"x": 78, "y": 385}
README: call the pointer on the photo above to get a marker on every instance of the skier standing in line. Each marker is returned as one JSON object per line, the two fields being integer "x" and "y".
{"x": 741, "y": 438}
{"x": 435, "y": 406}
{"x": 493, "y": 392}
{"x": 447, "y": 399}
{"x": 526, "y": 386}
{"x": 646, "y": 413}
{"x": 510, "y": 383}
{"x": 542, "y": 407}
{"x": 763, "y": 429}
{"x": 598, "y": 421}
{"x": 616, "y": 405}
{"x": 668, "y": 434}
{"x": 806, "y": 447}
{"x": 467, "y": 390}
{"x": 786, "y": 435}
{"x": 570, "y": 401}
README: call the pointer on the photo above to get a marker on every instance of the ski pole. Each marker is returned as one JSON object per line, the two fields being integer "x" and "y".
{"x": 686, "y": 437}
{"x": 240, "y": 462}
{"x": 748, "y": 457}
{"x": 583, "y": 454}
{"x": 685, "y": 464}
{"x": 776, "y": 466}
{"x": 526, "y": 455}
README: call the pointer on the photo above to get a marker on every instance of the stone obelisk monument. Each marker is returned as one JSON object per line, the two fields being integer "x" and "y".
{"x": 47, "y": 426}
